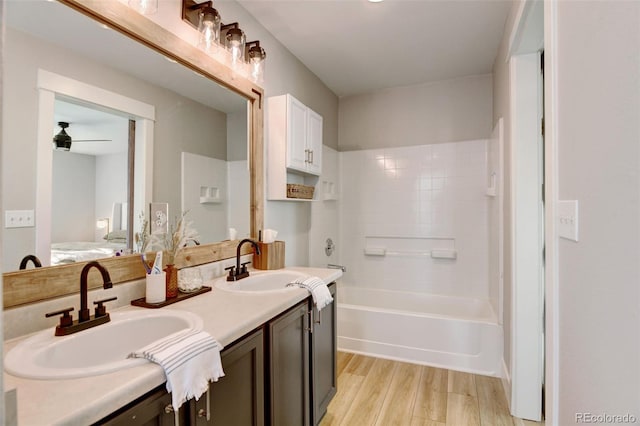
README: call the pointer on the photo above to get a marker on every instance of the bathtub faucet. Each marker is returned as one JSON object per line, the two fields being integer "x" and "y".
{"x": 332, "y": 266}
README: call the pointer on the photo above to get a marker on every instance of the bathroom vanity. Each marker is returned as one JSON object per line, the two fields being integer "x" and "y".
{"x": 279, "y": 362}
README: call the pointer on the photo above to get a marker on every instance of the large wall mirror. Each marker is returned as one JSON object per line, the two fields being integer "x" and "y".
{"x": 150, "y": 118}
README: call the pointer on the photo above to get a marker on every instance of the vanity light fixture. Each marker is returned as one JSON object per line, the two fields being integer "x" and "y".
{"x": 62, "y": 141}
{"x": 207, "y": 20}
{"x": 256, "y": 56}
{"x": 145, "y": 7}
{"x": 212, "y": 33}
{"x": 235, "y": 42}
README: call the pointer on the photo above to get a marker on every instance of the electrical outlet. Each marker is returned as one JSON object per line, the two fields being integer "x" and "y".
{"x": 19, "y": 219}
{"x": 568, "y": 219}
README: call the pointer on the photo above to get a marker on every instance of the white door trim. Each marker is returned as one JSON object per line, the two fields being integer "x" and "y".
{"x": 527, "y": 278}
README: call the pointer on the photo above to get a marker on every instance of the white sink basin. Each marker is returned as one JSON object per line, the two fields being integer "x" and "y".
{"x": 260, "y": 282}
{"x": 97, "y": 350}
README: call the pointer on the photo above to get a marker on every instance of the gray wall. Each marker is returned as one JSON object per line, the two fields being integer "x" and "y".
{"x": 286, "y": 74}
{"x": 443, "y": 111}
{"x": 599, "y": 162}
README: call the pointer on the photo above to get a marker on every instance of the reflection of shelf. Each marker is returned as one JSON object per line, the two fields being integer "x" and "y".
{"x": 491, "y": 191}
{"x": 329, "y": 192}
{"x": 210, "y": 200}
{"x": 209, "y": 195}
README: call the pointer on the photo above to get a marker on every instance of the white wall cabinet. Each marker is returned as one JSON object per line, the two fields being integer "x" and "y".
{"x": 294, "y": 133}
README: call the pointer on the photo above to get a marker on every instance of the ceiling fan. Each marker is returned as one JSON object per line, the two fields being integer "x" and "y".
{"x": 62, "y": 141}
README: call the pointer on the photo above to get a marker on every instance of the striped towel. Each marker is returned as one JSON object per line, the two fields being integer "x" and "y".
{"x": 318, "y": 289}
{"x": 190, "y": 359}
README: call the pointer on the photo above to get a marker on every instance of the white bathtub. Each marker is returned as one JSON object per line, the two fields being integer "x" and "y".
{"x": 449, "y": 332}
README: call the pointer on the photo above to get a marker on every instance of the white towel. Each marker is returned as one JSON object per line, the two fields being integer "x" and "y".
{"x": 318, "y": 289}
{"x": 190, "y": 360}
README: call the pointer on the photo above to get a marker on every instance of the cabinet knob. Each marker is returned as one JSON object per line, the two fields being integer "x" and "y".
{"x": 168, "y": 409}
{"x": 202, "y": 412}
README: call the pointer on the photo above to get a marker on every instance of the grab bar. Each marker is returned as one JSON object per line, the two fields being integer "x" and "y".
{"x": 332, "y": 266}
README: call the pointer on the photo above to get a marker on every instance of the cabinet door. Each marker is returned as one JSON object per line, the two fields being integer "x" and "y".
{"x": 289, "y": 368}
{"x": 297, "y": 153}
{"x": 314, "y": 142}
{"x": 237, "y": 399}
{"x": 152, "y": 409}
{"x": 323, "y": 358}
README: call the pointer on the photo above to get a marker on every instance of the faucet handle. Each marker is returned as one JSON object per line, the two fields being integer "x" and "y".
{"x": 244, "y": 267}
{"x": 65, "y": 320}
{"x": 101, "y": 310}
{"x": 231, "y": 270}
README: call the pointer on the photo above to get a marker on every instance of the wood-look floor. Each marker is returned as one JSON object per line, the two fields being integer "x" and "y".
{"x": 380, "y": 392}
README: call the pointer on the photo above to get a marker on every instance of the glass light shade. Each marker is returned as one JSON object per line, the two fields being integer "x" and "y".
{"x": 257, "y": 57}
{"x": 235, "y": 41}
{"x": 145, "y": 7}
{"x": 209, "y": 29}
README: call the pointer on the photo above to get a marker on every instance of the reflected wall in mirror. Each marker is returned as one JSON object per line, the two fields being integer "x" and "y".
{"x": 192, "y": 115}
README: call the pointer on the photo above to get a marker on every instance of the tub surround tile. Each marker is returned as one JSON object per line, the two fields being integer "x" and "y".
{"x": 426, "y": 190}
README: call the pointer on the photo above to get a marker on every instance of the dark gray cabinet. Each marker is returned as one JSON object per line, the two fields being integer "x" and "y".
{"x": 289, "y": 392}
{"x": 237, "y": 399}
{"x": 302, "y": 364}
{"x": 324, "y": 378}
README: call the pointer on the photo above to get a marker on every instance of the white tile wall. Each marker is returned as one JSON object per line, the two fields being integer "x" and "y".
{"x": 414, "y": 196}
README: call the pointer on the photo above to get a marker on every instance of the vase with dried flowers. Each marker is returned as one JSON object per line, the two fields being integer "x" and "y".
{"x": 181, "y": 234}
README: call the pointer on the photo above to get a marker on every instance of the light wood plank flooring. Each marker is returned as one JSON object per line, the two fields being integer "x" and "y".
{"x": 374, "y": 391}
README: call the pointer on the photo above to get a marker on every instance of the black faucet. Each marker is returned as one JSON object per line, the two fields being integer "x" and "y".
{"x": 32, "y": 258}
{"x": 85, "y": 320}
{"x": 84, "y": 288}
{"x": 239, "y": 271}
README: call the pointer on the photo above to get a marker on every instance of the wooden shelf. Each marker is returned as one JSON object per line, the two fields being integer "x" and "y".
{"x": 181, "y": 296}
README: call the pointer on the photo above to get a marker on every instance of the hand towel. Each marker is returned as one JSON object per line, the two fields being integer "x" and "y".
{"x": 190, "y": 360}
{"x": 318, "y": 289}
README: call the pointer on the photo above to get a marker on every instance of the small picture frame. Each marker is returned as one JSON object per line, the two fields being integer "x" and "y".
{"x": 159, "y": 218}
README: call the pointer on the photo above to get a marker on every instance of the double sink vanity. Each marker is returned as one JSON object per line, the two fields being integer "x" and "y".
{"x": 278, "y": 357}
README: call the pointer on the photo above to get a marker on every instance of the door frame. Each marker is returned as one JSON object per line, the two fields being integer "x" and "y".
{"x": 528, "y": 226}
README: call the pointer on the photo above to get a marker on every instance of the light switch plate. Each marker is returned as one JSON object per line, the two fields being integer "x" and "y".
{"x": 19, "y": 219}
{"x": 568, "y": 219}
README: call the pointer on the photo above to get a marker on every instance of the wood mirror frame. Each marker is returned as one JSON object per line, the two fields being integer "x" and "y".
{"x": 34, "y": 285}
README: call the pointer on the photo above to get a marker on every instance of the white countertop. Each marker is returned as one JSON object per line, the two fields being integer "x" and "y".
{"x": 226, "y": 315}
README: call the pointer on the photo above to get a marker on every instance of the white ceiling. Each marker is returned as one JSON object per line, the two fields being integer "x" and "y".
{"x": 355, "y": 46}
